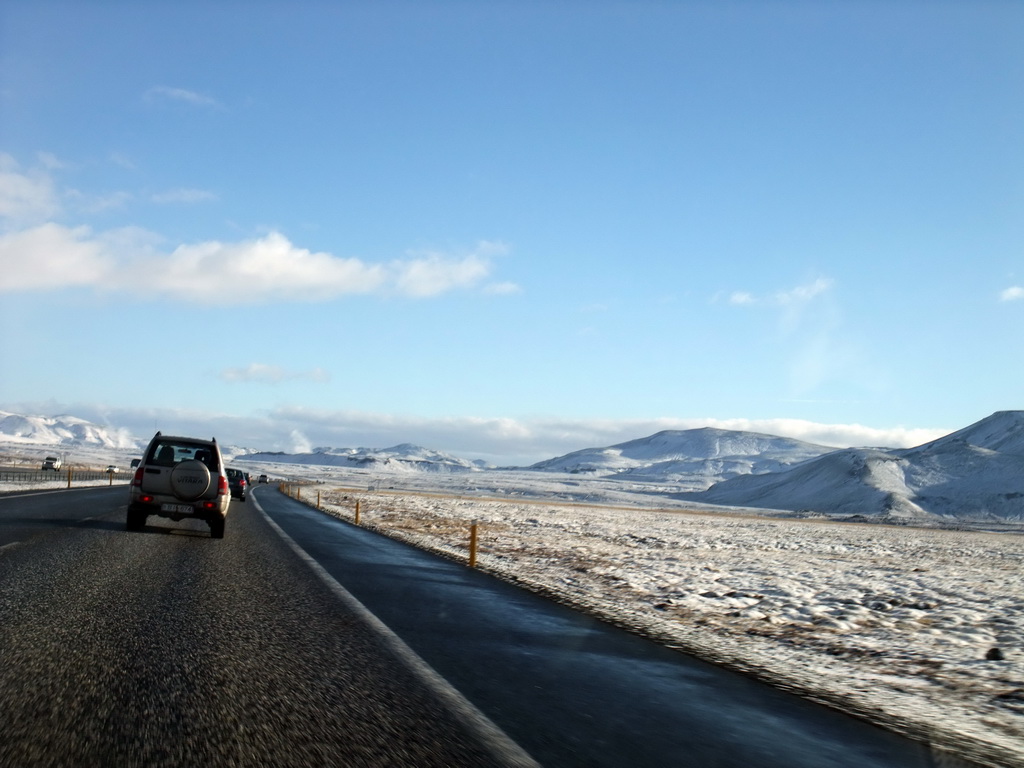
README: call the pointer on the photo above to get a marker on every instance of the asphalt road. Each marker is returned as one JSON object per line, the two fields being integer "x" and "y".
{"x": 169, "y": 648}
{"x": 301, "y": 640}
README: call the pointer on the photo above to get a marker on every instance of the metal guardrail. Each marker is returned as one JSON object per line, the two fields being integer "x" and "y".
{"x": 36, "y": 476}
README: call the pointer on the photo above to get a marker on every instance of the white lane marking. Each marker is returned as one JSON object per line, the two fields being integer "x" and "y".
{"x": 477, "y": 721}
{"x": 9, "y": 545}
{"x": 44, "y": 492}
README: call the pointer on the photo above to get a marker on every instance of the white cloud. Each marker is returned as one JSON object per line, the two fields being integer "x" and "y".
{"x": 502, "y": 289}
{"x": 49, "y": 161}
{"x": 741, "y": 297}
{"x": 25, "y": 198}
{"x": 433, "y": 275}
{"x": 834, "y": 435}
{"x": 41, "y": 256}
{"x": 801, "y": 294}
{"x": 270, "y": 268}
{"x": 300, "y": 443}
{"x": 184, "y": 196}
{"x": 808, "y": 330}
{"x": 1014, "y": 293}
{"x": 166, "y": 93}
{"x": 87, "y": 204}
{"x": 52, "y": 256}
{"x": 429, "y": 274}
{"x": 793, "y": 297}
{"x": 122, "y": 160}
{"x": 29, "y": 197}
{"x": 271, "y": 374}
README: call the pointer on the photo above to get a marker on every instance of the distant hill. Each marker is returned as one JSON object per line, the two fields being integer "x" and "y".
{"x": 696, "y": 458}
{"x": 974, "y": 473}
{"x": 46, "y": 431}
{"x": 399, "y": 458}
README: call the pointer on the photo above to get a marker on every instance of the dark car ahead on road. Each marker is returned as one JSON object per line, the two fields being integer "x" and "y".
{"x": 238, "y": 483}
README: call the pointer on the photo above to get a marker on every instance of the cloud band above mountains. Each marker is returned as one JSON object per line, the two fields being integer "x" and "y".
{"x": 500, "y": 441}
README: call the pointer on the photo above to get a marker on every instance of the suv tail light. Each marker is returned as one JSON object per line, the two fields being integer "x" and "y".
{"x": 137, "y": 480}
{"x": 222, "y": 486}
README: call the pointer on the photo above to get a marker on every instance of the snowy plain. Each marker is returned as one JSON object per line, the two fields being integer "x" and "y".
{"x": 892, "y": 623}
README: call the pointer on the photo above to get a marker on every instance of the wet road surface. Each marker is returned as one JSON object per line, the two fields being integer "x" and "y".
{"x": 572, "y": 690}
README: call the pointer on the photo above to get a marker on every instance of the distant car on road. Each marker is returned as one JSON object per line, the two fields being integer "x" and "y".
{"x": 237, "y": 482}
{"x": 264, "y": 479}
{"x": 52, "y": 462}
{"x": 180, "y": 477}
{"x": 111, "y": 470}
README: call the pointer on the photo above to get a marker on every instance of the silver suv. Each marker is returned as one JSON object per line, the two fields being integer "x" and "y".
{"x": 180, "y": 477}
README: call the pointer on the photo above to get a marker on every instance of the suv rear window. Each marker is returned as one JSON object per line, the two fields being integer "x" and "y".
{"x": 167, "y": 453}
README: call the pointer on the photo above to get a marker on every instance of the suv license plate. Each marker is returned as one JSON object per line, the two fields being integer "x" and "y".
{"x": 184, "y": 509}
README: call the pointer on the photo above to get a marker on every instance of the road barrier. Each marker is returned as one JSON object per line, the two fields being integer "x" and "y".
{"x": 68, "y": 475}
{"x": 472, "y": 545}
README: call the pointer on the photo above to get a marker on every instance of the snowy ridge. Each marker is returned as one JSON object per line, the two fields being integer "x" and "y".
{"x": 975, "y": 473}
{"x": 399, "y": 458}
{"x": 1003, "y": 431}
{"x": 852, "y": 481}
{"x": 697, "y": 458}
{"x": 43, "y": 431}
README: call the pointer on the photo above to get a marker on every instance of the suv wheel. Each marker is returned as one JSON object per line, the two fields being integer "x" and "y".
{"x": 216, "y": 527}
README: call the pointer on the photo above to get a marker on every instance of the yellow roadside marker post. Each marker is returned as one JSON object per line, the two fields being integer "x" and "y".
{"x": 472, "y": 544}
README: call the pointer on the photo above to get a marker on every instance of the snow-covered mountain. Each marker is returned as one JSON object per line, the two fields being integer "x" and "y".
{"x": 974, "y": 473}
{"x": 696, "y": 458}
{"x": 44, "y": 431}
{"x": 1003, "y": 431}
{"x": 399, "y": 458}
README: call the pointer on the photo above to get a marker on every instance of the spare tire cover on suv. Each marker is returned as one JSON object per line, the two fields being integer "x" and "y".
{"x": 190, "y": 479}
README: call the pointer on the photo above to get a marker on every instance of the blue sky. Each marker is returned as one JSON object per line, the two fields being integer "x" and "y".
{"x": 510, "y": 230}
